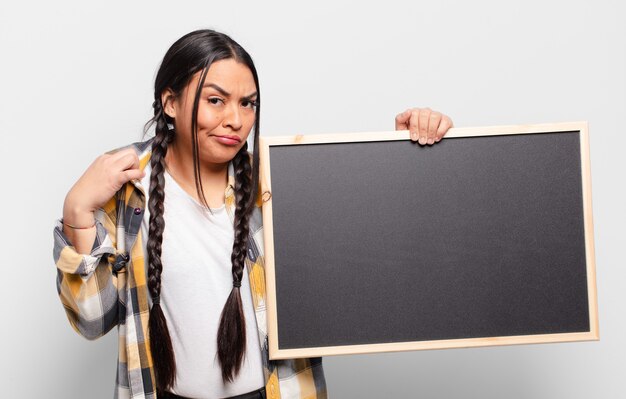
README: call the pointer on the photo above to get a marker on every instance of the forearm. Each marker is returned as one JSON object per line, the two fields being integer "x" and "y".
{"x": 82, "y": 239}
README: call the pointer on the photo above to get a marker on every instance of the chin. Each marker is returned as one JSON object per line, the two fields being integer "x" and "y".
{"x": 222, "y": 155}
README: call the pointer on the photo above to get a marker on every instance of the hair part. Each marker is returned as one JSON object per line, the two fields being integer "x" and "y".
{"x": 197, "y": 51}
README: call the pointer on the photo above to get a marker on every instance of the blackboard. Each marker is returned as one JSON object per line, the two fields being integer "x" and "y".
{"x": 375, "y": 243}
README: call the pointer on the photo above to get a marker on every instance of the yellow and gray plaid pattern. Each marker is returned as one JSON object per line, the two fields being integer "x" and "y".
{"x": 107, "y": 288}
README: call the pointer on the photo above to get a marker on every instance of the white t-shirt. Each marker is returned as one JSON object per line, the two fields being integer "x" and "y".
{"x": 195, "y": 284}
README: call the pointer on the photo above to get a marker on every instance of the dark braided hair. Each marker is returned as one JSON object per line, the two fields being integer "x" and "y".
{"x": 194, "y": 52}
{"x": 231, "y": 335}
{"x": 161, "y": 343}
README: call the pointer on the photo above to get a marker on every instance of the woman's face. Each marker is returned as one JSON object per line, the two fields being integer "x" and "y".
{"x": 226, "y": 109}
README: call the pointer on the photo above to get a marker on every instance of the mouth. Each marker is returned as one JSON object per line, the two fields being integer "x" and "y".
{"x": 228, "y": 139}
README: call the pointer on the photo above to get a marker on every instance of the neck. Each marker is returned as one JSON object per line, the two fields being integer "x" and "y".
{"x": 214, "y": 177}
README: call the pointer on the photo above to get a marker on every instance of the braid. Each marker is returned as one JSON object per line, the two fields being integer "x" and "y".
{"x": 231, "y": 335}
{"x": 160, "y": 341}
{"x": 242, "y": 168}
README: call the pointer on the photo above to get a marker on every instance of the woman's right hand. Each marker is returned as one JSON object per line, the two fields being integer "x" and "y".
{"x": 102, "y": 179}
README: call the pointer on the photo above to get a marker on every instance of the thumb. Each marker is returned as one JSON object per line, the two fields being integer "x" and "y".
{"x": 402, "y": 119}
{"x": 132, "y": 174}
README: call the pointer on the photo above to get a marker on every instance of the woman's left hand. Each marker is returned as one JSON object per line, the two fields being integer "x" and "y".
{"x": 430, "y": 126}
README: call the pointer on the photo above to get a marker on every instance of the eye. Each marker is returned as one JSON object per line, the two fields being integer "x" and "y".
{"x": 249, "y": 104}
{"x": 215, "y": 100}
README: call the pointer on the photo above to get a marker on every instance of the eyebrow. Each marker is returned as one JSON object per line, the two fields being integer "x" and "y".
{"x": 225, "y": 93}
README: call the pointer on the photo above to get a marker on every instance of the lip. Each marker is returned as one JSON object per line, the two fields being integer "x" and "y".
{"x": 228, "y": 139}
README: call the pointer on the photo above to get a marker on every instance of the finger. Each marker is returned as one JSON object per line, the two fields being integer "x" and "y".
{"x": 414, "y": 123}
{"x": 402, "y": 119}
{"x": 444, "y": 126}
{"x": 433, "y": 125}
{"x": 424, "y": 116}
{"x": 133, "y": 174}
{"x": 127, "y": 160}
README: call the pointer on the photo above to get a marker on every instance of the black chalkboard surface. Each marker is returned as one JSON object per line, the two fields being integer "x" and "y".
{"x": 374, "y": 243}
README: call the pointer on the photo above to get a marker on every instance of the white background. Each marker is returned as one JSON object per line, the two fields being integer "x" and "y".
{"x": 76, "y": 81}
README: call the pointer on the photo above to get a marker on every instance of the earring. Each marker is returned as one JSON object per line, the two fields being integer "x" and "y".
{"x": 170, "y": 126}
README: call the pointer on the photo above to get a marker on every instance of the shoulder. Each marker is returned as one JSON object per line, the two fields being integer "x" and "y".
{"x": 143, "y": 149}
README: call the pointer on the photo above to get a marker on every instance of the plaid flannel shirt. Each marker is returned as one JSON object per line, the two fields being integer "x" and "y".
{"x": 107, "y": 288}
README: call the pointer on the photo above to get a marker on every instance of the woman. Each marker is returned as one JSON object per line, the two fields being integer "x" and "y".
{"x": 186, "y": 322}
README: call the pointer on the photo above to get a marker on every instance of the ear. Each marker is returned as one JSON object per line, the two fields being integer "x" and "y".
{"x": 168, "y": 100}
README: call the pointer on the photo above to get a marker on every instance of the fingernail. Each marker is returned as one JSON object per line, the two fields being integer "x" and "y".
{"x": 414, "y": 136}
{"x": 431, "y": 141}
{"x": 422, "y": 140}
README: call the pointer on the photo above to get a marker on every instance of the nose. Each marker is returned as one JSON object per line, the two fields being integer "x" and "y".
{"x": 232, "y": 117}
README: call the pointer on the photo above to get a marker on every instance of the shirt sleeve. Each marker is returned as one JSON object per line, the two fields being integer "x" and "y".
{"x": 300, "y": 378}
{"x": 86, "y": 283}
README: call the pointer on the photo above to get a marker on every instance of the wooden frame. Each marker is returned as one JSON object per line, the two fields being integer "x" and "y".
{"x": 266, "y": 187}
